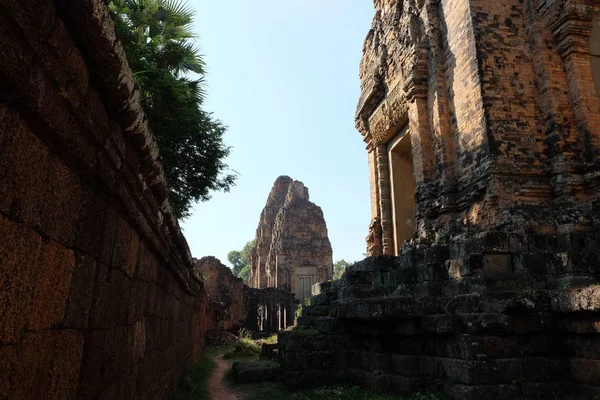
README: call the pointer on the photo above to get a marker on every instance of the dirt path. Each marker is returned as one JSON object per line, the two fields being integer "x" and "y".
{"x": 216, "y": 385}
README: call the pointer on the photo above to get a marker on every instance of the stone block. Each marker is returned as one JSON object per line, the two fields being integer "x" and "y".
{"x": 316, "y": 342}
{"x": 586, "y": 371}
{"x": 379, "y": 382}
{"x": 19, "y": 261}
{"x": 22, "y": 182}
{"x": 126, "y": 248}
{"x": 402, "y": 384}
{"x": 376, "y": 361}
{"x": 488, "y": 392}
{"x": 52, "y": 286}
{"x": 61, "y": 203}
{"x": 408, "y": 274}
{"x": 8, "y": 358}
{"x": 254, "y": 373}
{"x": 429, "y": 366}
{"x": 91, "y": 223}
{"x": 47, "y": 365}
{"x": 482, "y": 372}
{"x": 295, "y": 361}
{"x": 544, "y": 369}
{"x": 108, "y": 353}
{"x": 457, "y": 268}
{"x": 583, "y": 346}
{"x": 497, "y": 267}
{"x": 405, "y": 365}
{"x": 109, "y": 236}
{"x": 112, "y": 300}
{"x": 321, "y": 360}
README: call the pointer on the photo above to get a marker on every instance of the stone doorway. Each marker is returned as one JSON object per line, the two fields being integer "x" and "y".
{"x": 305, "y": 279}
{"x": 305, "y": 283}
{"x": 402, "y": 188}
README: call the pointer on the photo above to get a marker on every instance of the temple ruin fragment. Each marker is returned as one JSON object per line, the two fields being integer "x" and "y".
{"x": 292, "y": 251}
{"x": 482, "y": 126}
{"x": 227, "y": 294}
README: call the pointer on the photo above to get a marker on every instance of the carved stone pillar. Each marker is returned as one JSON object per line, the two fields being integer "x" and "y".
{"x": 385, "y": 200}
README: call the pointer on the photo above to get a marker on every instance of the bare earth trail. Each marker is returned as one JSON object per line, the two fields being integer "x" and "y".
{"x": 216, "y": 384}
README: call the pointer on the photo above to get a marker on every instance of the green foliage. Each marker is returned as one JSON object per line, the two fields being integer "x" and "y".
{"x": 245, "y": 348}
{"x": 158, "y": 41}
{"x": 339, "y": 267}
{"x": 235, "y": 258}
{"x": 193, "y": 385}
{"x": 245, "y": 273}
{"x": 241, "y": 261}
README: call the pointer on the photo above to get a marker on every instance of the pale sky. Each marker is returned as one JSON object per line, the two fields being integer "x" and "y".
{"x": 283, "y": 76}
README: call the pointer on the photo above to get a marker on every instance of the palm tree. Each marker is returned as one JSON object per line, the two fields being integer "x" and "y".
{"x": 163, "y": 29}
{"x": 158, "y": 40}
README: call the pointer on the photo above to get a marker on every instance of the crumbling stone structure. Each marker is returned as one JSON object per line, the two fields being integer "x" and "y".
{"x": 96, "y": 296}
{"x": 227, "y": 293}
{"x": 270, "y": 310}
{"x": 292, "y": 250}
{"x": 482, "y": 122}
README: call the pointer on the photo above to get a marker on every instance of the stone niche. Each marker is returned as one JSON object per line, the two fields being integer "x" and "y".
{"x": 292, "y": 250}
{"x": 482, "y": 124}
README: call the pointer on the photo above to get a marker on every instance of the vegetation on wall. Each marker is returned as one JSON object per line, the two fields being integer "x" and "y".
{"x": 159, "y": 44}
{"x": 339, "y": 267}
{"x": 241, "y": 261}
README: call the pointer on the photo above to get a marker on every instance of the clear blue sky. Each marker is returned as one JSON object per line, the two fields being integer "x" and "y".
{"x": 283, "y": 76}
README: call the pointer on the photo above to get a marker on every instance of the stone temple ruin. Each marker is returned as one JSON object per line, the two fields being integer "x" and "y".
{"x": 292, "y": 251}
{"x": 227, "y": 294}
{"x": 482, "y": 125}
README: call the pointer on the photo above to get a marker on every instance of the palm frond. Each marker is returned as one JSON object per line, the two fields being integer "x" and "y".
{"x": 197, "y": 87}
{"x": 178, "y": 9}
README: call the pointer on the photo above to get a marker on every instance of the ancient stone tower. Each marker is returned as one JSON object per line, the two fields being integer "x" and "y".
{"x": 482, "y": 123}
{"x": 481, "y": 118}
{"x": 292, "y": 250}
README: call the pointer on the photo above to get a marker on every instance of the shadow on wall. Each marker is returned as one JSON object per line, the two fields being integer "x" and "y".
{"x": 96, "y": 295}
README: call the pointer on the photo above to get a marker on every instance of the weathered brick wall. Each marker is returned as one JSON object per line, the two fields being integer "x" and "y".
{"x": 96, "y": 296}
{"x": 227, "y": 293}
{"x": 501, "y": 108}
{"x": 497, "y": 294}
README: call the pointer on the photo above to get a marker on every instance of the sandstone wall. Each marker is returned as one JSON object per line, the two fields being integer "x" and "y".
{"x": 496, "y": 295}
{"x": 96, "y": 296}
{"x": 364, "y": 328}
{"x": 227, "y": 293}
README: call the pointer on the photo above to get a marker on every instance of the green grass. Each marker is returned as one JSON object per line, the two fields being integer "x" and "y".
{"x": 274, "y": 391}
{"x": 245, "y": 349}
{"x": 270, "y": 340}
{"x": 193, "y": 385}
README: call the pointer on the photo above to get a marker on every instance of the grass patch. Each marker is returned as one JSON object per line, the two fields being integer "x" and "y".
{"x": 275, "y": 391}
{"x": 270, "y": 340}
{"x": 243, "y": 350}
{"x": 193, "y": 385}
